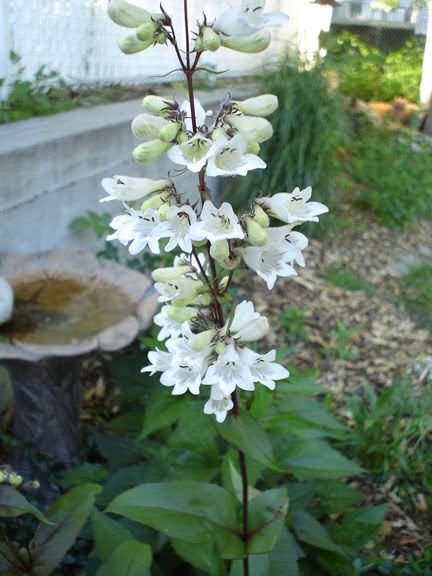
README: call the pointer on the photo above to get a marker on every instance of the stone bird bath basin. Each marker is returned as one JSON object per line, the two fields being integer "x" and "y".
{"x": 68, "y": 304}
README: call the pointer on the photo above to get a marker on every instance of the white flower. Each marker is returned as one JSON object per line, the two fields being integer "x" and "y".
{"x": 128, "y": 189}
{"x": 293, "y": 208}
{"x": 252, "y": 44}
{"x": 193, "y": 153}
{"x": 216, "y": 224}
{"x": 263, "y": 105}
{"x": 177, "y": 227}
{"x": 229, "y": 157}
{"x": 247, "y": 17}
{"x": 229, "y": 372}
{"x": 147, "y": 127}
{"x": 263, "y": 367}
{"x": 129, "y": 15}
{"x": 139, "y": 228}
{"x": 179, "y": 290}
{"x": 171, "y": 318}
{"x": 277, "y": 257}
{"x": 248, "y": 325}
{"x": 200, "y": 114}
{"x": 218, "y": 404}
{"x": 159, "y": 362}
{"x": 255, "y": 129}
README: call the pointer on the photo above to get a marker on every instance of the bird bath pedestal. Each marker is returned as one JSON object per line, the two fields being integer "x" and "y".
{"x": 67, "y": 304}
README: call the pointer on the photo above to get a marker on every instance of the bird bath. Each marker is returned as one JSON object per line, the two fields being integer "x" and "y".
{"x": 67, "y": 304}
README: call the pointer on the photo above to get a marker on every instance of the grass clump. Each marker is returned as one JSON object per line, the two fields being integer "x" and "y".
{"x": 348, "y": 281}
{"x": 417, "y": 293}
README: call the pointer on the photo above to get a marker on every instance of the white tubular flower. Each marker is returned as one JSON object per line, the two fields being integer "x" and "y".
{"x": 248, "y": 325}
{"x": 157, "y": 105}
{"x": 229, "y": 158}
{"x": 263, "y": 367}
{"x": 182, "y": 289}
{"x": 169, "y": 273}
{"x": 177, "y": 227}
{"x": 229, "y": 372}
{"x": 193, "y": 153}
{"x": 248, "y": 17}
{"x": 131, "y": 45}
{"x": 252, "y": 44}
{"x": 170, "y": 320}
{"x": 150, "y": 151}
{"x": 200, "y": 114}
{"x": 218, "y": 404}
{"x": 263, "y": 105}
{"x": 129, "y": 15}
{"x": 127, "y": 189}
{"x": 277, "y": 257}
{"x": 255, "y": 129}
{"x": 139, "y": 228}
{"x": 159, "y": 362}
{"x": 148, "y": 126}
{"x": 216, "y": 224}
{"x": 294, "y": 208}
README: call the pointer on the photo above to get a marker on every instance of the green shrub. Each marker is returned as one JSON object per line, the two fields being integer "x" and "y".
{"x": 308, "y": 128}
{"x": 368, "y": 73}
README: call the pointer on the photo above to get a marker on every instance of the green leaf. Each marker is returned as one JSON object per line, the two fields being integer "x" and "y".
{"x": 262, "y": 402}
{"x": 13, "y": 504}
{"x": 309, "y": 530}
{"x": 161, "y": 411}
{"x": 358, "y": 526}
{"x": 202, "y": 556}
{"x": 300, "y": 495}
{"x": 266, "y": 518}
{"x": 128, "y": 477}
{"x": 244, "y": 432}
{"x": 68, "y": 515}
{"x": 108, "y": 534}
{"x": 336, "y": 497}
{"x": 118, "y": 450}
{"x": 85, "y": 473}
{"x": 316, "y": 460}
{"x": 132, "y": 558}
{"x": 190, "y": 511}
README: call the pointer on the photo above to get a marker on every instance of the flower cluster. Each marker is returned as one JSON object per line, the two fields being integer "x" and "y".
{"x": 208, "y": 340}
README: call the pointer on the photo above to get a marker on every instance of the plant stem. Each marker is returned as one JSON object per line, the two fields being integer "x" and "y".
{"x": 245, "y": 508}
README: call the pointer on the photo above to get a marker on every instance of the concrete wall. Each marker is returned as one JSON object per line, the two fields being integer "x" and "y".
{"x": 51, "y": 169}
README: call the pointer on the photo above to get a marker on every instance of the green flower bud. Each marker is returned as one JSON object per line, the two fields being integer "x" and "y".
{"x": 157, "y": 105}
{"x": 218, "y": 132}
{"x": 252, "y": 44}
{"x": 210, "y": 40}
{"x": 199, "y": 44}
{"x": 255, "y": 129}
{"x": 258, "y": 106}
{"x": 232, "y": 262}
{"x": 201, "y": 300}
{"x": 160, "y": 37}
{"x": 35, "y": 484}
{"x": 181, "y": 314}
{"x": 257, "y": 235}
{"x": 150, "y": 151}
{"x": 253, "y": 148}
{"x": 154, "y": 202}
{"x": 220, "y": 251}
{"x": 201, "y": 341}
{"x": 169, "y": 273}
{"x": 131, "y": 45}
{"x": 163, "y": 211}
{"x": 147, "y": 31}
{"x": 182, "y": 137}
{"x": 15, "y": 480}
{"x": 2, "y": 477}
{"x": 148, "y": 127}
{"x": 169, "y": 132}
{"x": 260, "y": 216}
{"x": 220, "y": 348}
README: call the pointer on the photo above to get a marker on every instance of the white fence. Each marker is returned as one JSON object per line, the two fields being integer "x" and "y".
{"x": 77, "y": 39}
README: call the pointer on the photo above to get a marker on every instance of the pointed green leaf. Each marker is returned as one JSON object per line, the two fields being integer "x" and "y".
{"x": 161, "y": 411}
{"x": 108, "y": 534}
{"x": 266, "y": 519}
{"x": 85, "y": 473}
{"x": 309, "y": 530}
{"x": 132, "y": 558}
{"x": 13, "y": 504}
{"x": 190, "y": 511}
{"x": 202, "y": 556}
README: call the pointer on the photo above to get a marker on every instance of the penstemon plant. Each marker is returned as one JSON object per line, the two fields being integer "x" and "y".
{"x": 207, "y": 335}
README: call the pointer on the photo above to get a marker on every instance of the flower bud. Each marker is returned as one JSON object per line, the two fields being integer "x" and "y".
{"x": 220, "y": 250}
{"x": 160, "y": 37}
{"x": 35, "y": 485}
{"x": 220, "y": 348}
{"x": 251, "y": 44}
{"x": 127, "y": 15}
{"x": 217, "y": 133}
{"x": 15, "y": 480}
{"x": 210, "y": 40}
{"x": 169, "y": 131}
{"x": 182, "y": 137}
{"x": 199, "y": 44}
{"x": 201, "y": 341}
{"x": 232, "y": 262}
{"x": 201, "y": 300}
{"x": 253, "y": 148}
{"x": 131, "y": 45}
{"x": 260, "y": 216}
{"x": 169, "y": 273}
{"x": 148, "y": 127}
{"x": 154, "y": 202}
{"x": 258, "y": 106}
{"x": 163, "y": 211}
{"x": 180, "y": 314}
{"x": 157, "y": 105}
{"x": 2, "y": 477}
{"x": 254, "y": 128}
{"x": 147, "y": 31}
{"x": 257, "y": 235}
{"x": 150, "y": 151}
